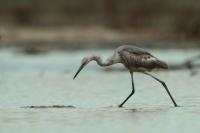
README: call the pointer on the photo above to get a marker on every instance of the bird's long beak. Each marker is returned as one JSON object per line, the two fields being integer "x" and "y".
{"x": 80, "y": 68}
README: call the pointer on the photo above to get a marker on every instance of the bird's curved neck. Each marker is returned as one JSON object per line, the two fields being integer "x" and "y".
{"x": 100, "y": 62}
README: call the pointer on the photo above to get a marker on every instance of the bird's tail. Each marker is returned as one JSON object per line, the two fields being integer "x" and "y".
{"x": 161, "y": 64}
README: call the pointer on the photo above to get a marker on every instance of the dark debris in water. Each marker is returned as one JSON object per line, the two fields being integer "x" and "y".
{"x": 50, "y": 106}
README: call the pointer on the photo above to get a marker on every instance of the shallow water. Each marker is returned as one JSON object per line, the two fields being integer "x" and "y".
{"x": 89, "y": 103}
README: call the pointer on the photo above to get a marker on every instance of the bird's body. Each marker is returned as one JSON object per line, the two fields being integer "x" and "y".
{"x": 134, "y": 59}
{"x": 137, "y": 59}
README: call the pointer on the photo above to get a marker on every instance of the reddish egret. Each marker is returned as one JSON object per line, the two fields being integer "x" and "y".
{"x": 135, "y": 60}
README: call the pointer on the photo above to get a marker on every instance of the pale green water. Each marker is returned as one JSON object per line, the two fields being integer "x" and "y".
{"x": 47, "y": 80}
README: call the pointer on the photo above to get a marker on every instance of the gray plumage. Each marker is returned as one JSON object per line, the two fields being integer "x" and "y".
{"x": 137, "y": 59}
{"x": 134, "y": 59}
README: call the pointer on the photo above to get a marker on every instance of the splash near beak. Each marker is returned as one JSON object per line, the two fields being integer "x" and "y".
{"x": 80, "y": 68}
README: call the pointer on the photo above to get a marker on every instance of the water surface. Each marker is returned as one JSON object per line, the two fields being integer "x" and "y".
{"x": 89, "y": 103}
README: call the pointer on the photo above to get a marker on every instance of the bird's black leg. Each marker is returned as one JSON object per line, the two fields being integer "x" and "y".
{"x": 165, "y": 86}
{"x": 132, "y": 92}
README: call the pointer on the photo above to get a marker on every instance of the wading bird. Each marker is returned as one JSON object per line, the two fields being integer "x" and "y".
{"x": 135, "y": 60}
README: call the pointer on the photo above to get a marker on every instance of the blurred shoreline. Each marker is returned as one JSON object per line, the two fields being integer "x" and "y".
{"x": 68, "y": 38}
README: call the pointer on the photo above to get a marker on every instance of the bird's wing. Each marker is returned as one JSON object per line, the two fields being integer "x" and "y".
{"x": 132, "y": 50}
{"x": 129, "y": 53}
{"x": 136, "y": 57}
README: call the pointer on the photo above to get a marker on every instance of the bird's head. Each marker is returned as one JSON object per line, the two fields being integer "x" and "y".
{"x": 84, "y": 62}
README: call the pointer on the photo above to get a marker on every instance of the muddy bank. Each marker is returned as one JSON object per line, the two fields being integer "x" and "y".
{"x": 40, "y": 39}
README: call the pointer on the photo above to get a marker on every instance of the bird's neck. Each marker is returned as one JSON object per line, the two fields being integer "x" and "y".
{"x": 100, "y": 62}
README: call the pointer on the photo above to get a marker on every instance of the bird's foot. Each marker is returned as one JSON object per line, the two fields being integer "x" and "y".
{"x": 177, "y": 106}
{"x": 120, "y": 106}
